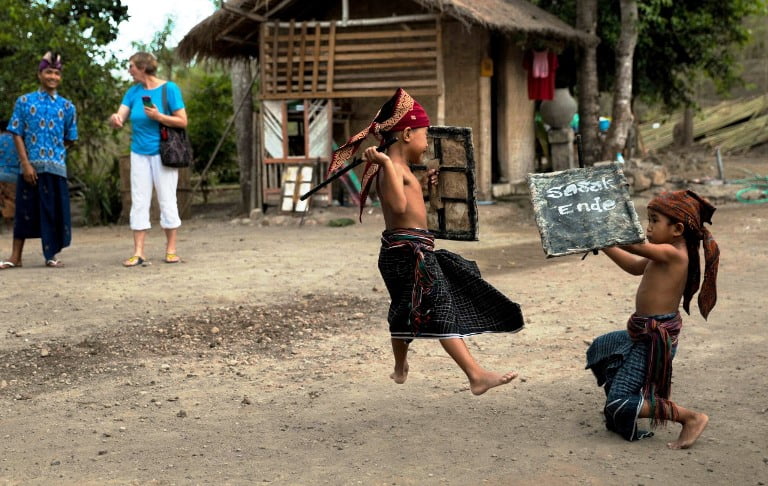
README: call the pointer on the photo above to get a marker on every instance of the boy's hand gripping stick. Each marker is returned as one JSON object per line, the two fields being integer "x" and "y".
{"x": 345, "y": 169}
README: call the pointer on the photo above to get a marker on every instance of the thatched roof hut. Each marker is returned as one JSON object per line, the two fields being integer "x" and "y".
{"x": 328, "y": 64}
{"x": 232, "y": 31}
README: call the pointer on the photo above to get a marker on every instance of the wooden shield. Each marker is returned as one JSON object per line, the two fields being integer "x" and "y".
{"x": 452, "y": 205}
{"x": 578, "y": 210}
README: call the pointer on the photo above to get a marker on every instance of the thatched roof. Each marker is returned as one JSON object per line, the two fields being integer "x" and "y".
{"x": 232, "y": 31}
{"x": 509, "y": 17}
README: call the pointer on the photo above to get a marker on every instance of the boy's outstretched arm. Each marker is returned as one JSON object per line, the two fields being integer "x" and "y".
{"x": 658, "y": 252}
{"x": 634, "y": 258}
{"x": 632, "y": 264}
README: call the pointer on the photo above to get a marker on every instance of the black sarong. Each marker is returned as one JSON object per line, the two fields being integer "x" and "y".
{"x": 439, "y": 294}
{"x": 42, "y": 211}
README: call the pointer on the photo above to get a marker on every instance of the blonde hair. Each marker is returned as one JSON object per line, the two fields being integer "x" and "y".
{"x": 145, "y": 62}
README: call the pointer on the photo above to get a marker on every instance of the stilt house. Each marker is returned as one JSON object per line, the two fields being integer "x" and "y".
{"x": 325, "y": 66}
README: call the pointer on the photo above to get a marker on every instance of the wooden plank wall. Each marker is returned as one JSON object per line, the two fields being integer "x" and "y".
{"x": 317, "y": 122}
{"x": 314, "y": 60}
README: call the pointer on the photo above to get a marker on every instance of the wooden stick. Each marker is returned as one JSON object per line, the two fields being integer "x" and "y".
{"x": 344, "y": 170}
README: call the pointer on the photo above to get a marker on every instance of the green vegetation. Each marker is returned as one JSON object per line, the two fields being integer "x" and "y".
{"x": 80, "y": 30}
{"x": 678, "y": 42}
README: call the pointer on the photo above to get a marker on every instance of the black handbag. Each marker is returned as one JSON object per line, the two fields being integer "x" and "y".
{"x": 175, "y": 148}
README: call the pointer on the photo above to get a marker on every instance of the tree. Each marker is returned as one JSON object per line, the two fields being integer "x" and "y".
{"x": 682, "y": 40}
{"x": 166, "y": 58}
{"x": 242, "y": 101}
{"x": 206, "y": 89}
{"x": 677, "y": 41}
{"x": 698, "y": 39}
{"x": 98, "y": 19}
{"x": 622, "y": 92}
{"x": 587, "y": 92}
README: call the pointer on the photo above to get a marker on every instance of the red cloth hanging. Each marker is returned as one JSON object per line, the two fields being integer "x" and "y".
{"x": 541, "y": 67}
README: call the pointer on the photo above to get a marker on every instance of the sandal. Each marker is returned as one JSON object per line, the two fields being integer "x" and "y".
{"x": 135, "y": 260}
{"x": 172, "y": 258}
{"x": 4, "y": 265}
{"x": 54, "y": 263}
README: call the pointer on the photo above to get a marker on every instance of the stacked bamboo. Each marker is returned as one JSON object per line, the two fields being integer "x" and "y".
{"x": 733, "y": 125}
{"x": 738, "y": 138}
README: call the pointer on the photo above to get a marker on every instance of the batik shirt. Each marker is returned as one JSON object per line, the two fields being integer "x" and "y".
{"x": 45, "y": 122}
{"x": 9, "y": 159}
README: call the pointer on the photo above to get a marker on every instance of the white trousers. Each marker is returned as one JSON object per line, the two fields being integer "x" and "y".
{"x": 147, "y": 172}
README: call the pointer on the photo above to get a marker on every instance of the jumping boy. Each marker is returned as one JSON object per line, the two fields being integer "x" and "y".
{"x": 636, "y": 365}
{"x": 435, "y": 294}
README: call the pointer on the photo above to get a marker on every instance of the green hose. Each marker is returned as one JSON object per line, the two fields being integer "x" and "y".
{"x": 757, "y": 183}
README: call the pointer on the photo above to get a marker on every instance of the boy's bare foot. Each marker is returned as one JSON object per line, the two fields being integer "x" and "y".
{"x": 488, "y": 380}
{"x": 692, "y": 429}
{"x": 399, "y": 376}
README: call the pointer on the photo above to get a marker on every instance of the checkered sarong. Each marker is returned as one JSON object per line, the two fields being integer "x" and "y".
{"x": 439, "y": 294}
{"x": 621, "y": 364}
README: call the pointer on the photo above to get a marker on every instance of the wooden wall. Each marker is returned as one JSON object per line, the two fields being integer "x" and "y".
{"x": 467, "y": 94}
{"x": 313, "y": 60}
{"x": 515, "y": 137}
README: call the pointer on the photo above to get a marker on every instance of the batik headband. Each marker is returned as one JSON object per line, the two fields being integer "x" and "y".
{"x": 401, "y": 111}
{"x": 50, "y": 60}
{"x": 693, "y": 211}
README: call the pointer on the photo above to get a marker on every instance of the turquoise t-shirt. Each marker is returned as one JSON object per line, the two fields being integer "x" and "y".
{"x": 145, "y": 139}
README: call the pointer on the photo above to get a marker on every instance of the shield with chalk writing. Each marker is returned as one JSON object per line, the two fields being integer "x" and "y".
{"x": 578, "y": 210}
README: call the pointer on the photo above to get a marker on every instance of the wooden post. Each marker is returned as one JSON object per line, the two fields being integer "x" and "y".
{"x": 302, "y": 56}
{"x": 316, "y": 59}
{"x": 440, "y": 73}
{"x": 483, "y": 141}
{"x": 258, "y": 160}
{"x": 331, "y": 57}
{"x": 289, "y": 60}
{"x": 275, "y": 47}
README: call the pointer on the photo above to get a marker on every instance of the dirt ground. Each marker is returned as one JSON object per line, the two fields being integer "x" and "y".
{"x": 264, "y": 358}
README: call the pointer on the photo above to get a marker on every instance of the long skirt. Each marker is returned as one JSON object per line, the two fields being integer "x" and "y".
{"x": 42, "y": 211}
{"x": 620, "y": 364}
{"x": 457, "y": 302}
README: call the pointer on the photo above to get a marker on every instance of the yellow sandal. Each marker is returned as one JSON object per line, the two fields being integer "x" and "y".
{"x": 172, "y": 258}
{"x": 134, "y": 261}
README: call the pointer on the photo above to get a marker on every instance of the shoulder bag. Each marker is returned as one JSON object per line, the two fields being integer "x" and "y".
{"x": 175, "y": 149}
